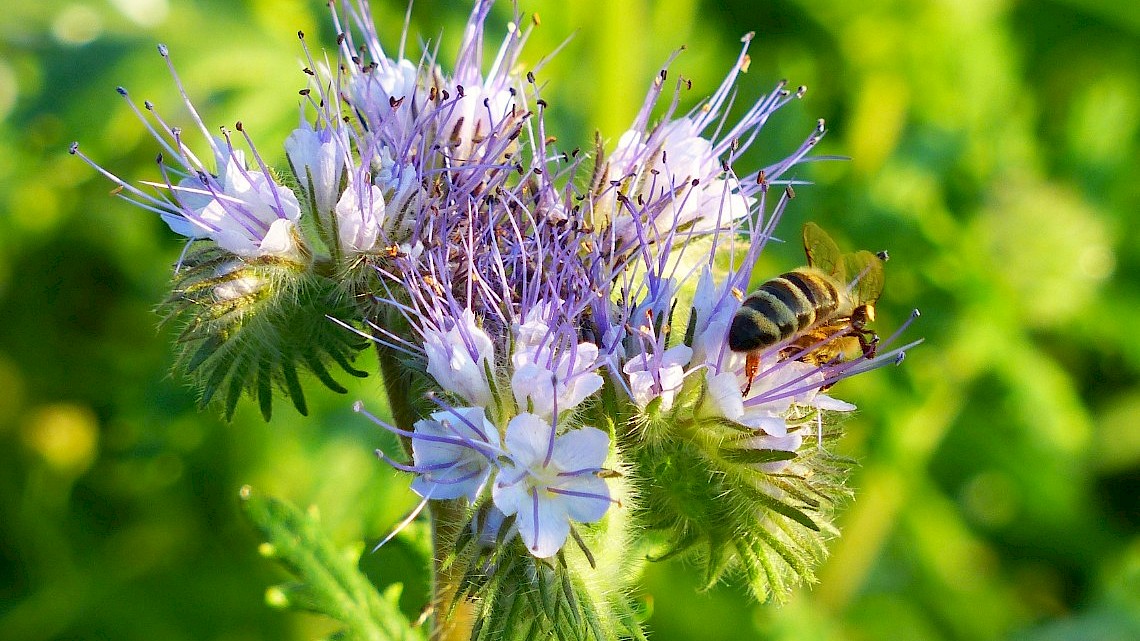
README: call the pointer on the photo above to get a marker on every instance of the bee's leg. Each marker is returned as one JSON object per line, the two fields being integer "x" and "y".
{"x": 751, "y": 368}
{"x": 868, "y": 342}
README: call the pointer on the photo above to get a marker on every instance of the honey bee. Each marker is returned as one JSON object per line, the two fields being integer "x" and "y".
{"x": 821, "y": 314}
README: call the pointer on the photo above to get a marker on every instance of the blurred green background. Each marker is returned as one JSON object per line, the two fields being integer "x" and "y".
{"x": 995, "y": 154}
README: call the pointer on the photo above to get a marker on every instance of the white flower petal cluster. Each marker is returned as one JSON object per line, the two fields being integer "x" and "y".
{"x": 673, "y": 165}
{"x": 548, "y": 372}
{"x": 460, "y": 358}
{"x": 551, "y": 481}
{"x": 360, "y": 215}
{"x": 657, "y": 376}
{"x": 244, "y": 210}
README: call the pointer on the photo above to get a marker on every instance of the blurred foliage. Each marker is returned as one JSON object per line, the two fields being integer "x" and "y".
{"x": 995, "y": 148}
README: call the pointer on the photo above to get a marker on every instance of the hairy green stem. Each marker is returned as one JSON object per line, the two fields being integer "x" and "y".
{"x": 447, "y": 517}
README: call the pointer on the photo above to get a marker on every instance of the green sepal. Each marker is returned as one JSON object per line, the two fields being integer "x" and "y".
{"x": 327, "y": 580}
{"x": 248, "y": 325}
{"x": 759, "y": 513}
{"x": 572, "y": 596}
{"x": 755, "y": 457}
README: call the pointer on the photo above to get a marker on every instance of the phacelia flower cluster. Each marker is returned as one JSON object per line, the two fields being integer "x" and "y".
{"x": 552, "y": 325}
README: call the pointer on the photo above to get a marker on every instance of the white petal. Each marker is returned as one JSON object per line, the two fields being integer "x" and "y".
{"x": 509, "y": 498}
{"x": 183, "y": 227}
{"x": 579, "y": 389}
{"x": 772, "y": 425}
{"x": 359, "y": 217}
{"x": 280, "y": 240}
{"x": 723, "y": 394}
{"x": 678, "y": 355}
{"x": 528, "y": 438}
{"x": 825, "y": 402}
{"x": 426, "y": 487}
{"x": 553, "y": 526}
{"x": 536, "y": 384}
{"x": 454, "y": 367}
{"x": 581, "y": 449}
{"x": 586, "y": 509}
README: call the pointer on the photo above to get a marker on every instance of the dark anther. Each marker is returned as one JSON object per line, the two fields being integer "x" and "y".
{"x": 304, "y": 92}
{"x": 790, "y": 192}
{"x": 122, "y": 91}
{"x": 530, "y": 77}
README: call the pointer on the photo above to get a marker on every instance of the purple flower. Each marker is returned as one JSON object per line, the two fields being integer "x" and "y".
{"x": 553, "y": 371}
{"x": 453, "y": 453}
{"x": 550, "y": 481}
{"x": 459, "y": 359}
{"x": 318, "y": 158}
{"x": 657, "y": 376}
{"x": 246, "y": 212}
{"x": 240, "y": 207}
{"x": 360, "y": 216}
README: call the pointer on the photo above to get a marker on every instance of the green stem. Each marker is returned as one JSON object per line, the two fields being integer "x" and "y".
{"x": 447, "y": 517}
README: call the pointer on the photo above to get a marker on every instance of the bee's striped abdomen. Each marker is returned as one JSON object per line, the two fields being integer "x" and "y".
{"x": 781, "y": 307}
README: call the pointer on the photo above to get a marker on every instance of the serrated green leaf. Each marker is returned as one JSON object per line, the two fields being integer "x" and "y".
{"x": 328, "y": 582}
{"x": 780, "y": 507}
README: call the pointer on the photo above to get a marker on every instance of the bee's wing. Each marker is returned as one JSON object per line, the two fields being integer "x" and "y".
{"x": 868, "y": 269}
{"x": 822, "y": 252}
